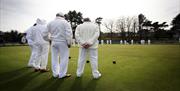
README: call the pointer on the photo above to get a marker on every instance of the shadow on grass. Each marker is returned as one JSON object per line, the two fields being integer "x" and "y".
{"x": 51, "y": 84}
{"x": 8, "y": 76}
{"x": 16, "y": 80}
{"x": 77, "y": 85}
{"x": 91, "y": 86}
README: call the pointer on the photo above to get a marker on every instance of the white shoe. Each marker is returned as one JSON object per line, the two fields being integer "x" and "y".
{"x": 97, "y": 76}
{"x": 30, "y": 66}
{"x": 55, "y": 76}
{"x": 66, "y": 76}
{"x": 78, "y": 75}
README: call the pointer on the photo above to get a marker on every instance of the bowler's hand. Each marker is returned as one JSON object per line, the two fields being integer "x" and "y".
{"x": 86, "y": 45}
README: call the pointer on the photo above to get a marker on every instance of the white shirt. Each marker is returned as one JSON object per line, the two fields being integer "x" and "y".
{"x": 60, "y": 30}
{"x": 29, "y": 35}
{"x": 35, "y": 34}
{"x": 87, "y": 33}
{"x": 38, "y": 34}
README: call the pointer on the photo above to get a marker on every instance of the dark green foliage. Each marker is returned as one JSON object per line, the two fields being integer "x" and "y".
{"x": 10, "y": 37}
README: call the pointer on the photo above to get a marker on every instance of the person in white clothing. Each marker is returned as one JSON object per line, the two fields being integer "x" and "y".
{"x": 61, "y": 36}
{"x": 87, "y": 35}
{"x": 107, "y": 41}
{"x": 33, "y": 47}
{"x": 132, "y": 42}
{"x": 41, "y": 46}
{"x": 149, "y": 41}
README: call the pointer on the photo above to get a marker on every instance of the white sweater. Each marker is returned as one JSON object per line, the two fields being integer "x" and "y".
{"x": 29, "y": 35}
{"x": 35, "y": 34}
{"x": 87, "y": 33}
{"x": 60, "y": 30}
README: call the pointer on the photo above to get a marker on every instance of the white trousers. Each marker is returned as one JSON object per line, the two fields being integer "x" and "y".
{"x": 42, "y": 56}
{"x": 33, "y": 56}
{"x": 93, "y": 54}
{"x": 60, "y": 59}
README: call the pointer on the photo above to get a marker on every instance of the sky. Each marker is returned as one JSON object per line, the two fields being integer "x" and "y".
{"x": 21, "y": 14}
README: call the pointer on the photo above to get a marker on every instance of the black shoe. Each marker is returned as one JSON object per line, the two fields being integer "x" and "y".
{"x": 36, "y": 70}
{"x": 44, "y": 70}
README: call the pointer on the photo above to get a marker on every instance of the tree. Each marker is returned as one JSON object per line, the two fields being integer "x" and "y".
{"x": 10, "y": 37}
{"x": 159, "y": 29}
{"x": 110, "y": 26}
{"x": 146, "y": 29}
{"x": 176, "y": 26}
{"x": 141, "y": 19}
{"x": 147, "y": 24}
{"x": 1, "y": 38}
{"x": 98, "y": 21}
{"x": 121, "y": 26}
{"x": 127, "y": 26}
{"x": 135, "y": 26}
{"x": 158, "y": 26}
{"x": 75, "y": 18}
{"x": 129, "y": 23}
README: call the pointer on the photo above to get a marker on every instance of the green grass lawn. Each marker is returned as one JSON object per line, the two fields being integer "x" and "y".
{"x": 137, "y": 68}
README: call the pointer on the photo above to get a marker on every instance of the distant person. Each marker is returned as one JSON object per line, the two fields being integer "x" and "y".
{"x": 31, "y": 44}
{"x": 142, "y": 42}
{"x": 110, "y": 41}
{"x": 107, "y": 41}
{"x": 132, "y": 42}
{"x": 41, "y": 46}
{"x": 102, "y": 42}
{"x": 125, "y": 42}
{"x": 149, "y": 41}
{"x": 87, "y": 35}
{"x": 121, "y": 42}
{"x": 61, "y": 36}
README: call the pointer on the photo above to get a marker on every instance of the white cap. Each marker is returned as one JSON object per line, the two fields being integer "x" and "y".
{"x": 40, "y": 21}
{"x": 60, "y": 14}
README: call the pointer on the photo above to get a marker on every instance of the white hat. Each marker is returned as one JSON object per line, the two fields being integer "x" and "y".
{"x": 40, "y": 21}
{"x": 60, "y": 14}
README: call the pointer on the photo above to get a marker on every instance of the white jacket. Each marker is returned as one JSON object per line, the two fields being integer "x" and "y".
{"x": 29, "y": 35}
{"x": 60, "y": 30}
{"x": 87, "y": 33}
{"x": 35, "y": 33}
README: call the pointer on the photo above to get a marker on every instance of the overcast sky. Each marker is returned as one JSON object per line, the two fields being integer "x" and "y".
{"x": 21, "y": 14}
